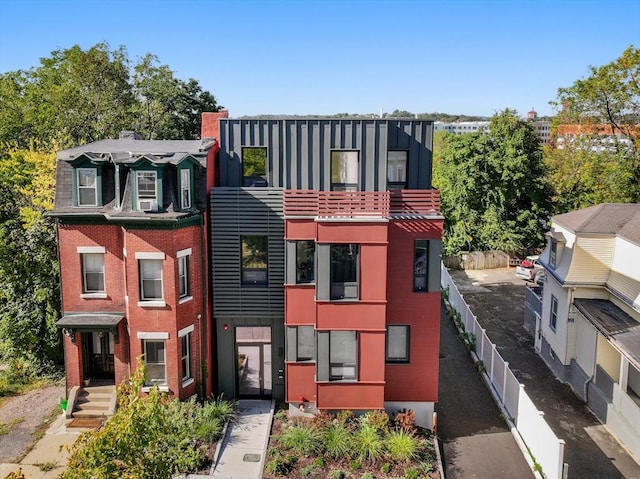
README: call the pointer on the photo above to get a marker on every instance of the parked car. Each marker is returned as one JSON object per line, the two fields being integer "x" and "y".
{"x": 530, "y": 269}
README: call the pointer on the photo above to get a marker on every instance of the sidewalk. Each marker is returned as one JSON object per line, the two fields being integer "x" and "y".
{"x": 49, "y": 456}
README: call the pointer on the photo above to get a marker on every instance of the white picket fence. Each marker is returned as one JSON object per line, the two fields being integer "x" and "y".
{"x": 543, "y": 444}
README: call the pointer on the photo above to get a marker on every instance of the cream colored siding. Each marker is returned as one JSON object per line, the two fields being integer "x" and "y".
{"x": 586, "y": 336}
{"x": 591, "y": 260}
{"x": 627, "y": 259}
{"x": 591, "y": 293}
{"x": 628, "y": 289}
{"x": 608, "y": 358}
{"x": 571, "y": 339}
{"x": 558, "y": 338}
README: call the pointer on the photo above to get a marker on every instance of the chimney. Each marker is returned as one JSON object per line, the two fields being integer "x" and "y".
{"x": 210, "y": 125}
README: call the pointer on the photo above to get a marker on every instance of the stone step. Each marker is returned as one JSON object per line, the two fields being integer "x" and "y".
{"x": 92, "y": 405}
{"x": 89, "y": 413}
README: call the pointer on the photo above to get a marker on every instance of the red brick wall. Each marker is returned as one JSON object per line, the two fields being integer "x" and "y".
{"x": 418, "y": 380}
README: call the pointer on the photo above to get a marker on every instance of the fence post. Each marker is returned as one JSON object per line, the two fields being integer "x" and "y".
{"x": 493, "y": 353}
{"x": 482, "y": 330}
{"x": 504, "y": 383}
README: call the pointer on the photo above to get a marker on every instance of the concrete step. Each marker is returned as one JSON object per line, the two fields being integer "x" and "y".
{"x": 89, "y": 413}
{"x": 94, "y": 401}
{"x": 86, "y": 406}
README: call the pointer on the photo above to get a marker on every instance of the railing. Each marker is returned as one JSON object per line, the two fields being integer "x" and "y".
{"x": 533, "y": 299}
{"x": 355, "y": 204}
{"x": 541, "y": 441}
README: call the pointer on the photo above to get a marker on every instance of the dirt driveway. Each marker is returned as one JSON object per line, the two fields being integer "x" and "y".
{"x": 497, "y": 297}
{"x": 25, "y": 414}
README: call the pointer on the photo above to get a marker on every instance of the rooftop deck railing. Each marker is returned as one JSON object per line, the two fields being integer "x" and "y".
{"x": 357, "y": 204}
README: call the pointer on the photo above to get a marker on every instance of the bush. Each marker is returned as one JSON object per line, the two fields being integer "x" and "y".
{"x": 368, "y": 443}
{"x": 402, "y": 446}
{"x": 303, "y": 439}
{"x": 378, "y": 420}
{"x": 338, "y": 441}
{"x": 405, "y": 419}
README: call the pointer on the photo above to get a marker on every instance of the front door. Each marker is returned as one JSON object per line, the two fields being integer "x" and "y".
{"x": 253, "y": 361}
{"x": 98, "y": 355}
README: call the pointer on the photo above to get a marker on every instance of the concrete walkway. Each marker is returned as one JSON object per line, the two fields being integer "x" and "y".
{"x": 244, "y": 447}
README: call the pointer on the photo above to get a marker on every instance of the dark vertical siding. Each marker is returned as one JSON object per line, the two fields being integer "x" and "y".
{"x": 299, "y": 151}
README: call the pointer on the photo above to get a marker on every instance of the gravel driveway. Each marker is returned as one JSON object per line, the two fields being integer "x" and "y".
{"x": 29, "y": 410}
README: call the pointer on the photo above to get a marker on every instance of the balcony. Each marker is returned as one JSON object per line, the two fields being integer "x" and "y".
{"x": 361, "y": 204}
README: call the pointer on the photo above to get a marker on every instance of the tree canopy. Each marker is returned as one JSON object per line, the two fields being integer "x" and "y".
{"x": 493, "y": 191}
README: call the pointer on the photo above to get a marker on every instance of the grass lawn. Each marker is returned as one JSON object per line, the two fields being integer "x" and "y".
{"x": 371, "y": 446}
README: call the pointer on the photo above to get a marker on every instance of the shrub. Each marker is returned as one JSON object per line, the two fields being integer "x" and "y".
{"x": 322, "y": 420}
{"x": 377, "y": 419}
{"x": 279, "y": 466}
{"x": 412, "y": 474}
{"x": 308, "y": 471}
{"x": 402, "y": 446}
{"x": 302, "y": 439}
{"x": 405, "y": 419}
{"x": 368, "y": 475}
{"x": 338, "y": 441}
{"x": 355, "y": 465}
{"x": 344, "y": 417}
{"x": 368, "y": 443}
{"x": 386, "y": 468}
{"x": 338, "y": 474}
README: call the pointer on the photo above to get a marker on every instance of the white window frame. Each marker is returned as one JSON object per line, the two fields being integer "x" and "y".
{"x": 86, "y": 292}
{"x": 553, "y": 314}
{"x": 94, "y": 172}
{"x": 143, "y": 199}
{"x": 150, "y": 301}
{"x": 184, "y": 275}
{"x": 151, "y": 383}
{"x": 185, "y": 335}
{"x": 185, "y": 188}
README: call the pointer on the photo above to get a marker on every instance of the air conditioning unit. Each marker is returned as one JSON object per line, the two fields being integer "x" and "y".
{"x": 147, "y": 205}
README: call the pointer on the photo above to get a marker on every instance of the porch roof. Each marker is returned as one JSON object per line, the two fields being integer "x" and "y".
{"x": 90, "y": 320}
{"x": 616, "y": 325}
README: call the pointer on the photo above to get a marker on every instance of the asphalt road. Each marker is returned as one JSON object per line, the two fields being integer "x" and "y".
{"x": 496, "y": 297}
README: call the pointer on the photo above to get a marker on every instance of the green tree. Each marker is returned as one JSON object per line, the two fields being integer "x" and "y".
{"x": 589, "y": 168}
{"x": 492, "y": 186}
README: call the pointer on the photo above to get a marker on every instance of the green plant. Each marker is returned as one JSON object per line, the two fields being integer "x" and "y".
{"x": 469, "y": 340}
{"x": 368, "y": 443}
{"x": 338, "y": 441}
{"x": 344, "y": 417}
{"x": 481, "y": 367}
{"x": 402, "y": 446}
{"x": 412, "y": 473}
{"x": 322, "y": 419}
{"x": 426, "y": 467}
{"x": 303, "y": 439}
{"x": 279, "y": 466}
{"x": 47, "y": 466}
{"x": 386, "y": 468}
{"x": 367, "y": 475}
{"x": 378, "y": 419}
{"x": 319, "y": 462}
{"x": 355, "y": 465}
{"x": 339, "y": 474}
{"x": 6, "y": 427}
{"x": 308, "y": 471}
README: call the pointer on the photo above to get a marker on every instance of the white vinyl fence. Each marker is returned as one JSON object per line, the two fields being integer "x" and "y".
{"x": 542, "y": 443}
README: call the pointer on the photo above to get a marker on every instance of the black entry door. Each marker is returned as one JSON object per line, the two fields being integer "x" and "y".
{"x": 98, "y": 355}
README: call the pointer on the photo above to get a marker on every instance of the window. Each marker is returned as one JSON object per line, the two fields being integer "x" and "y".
{"x": 343, "y": 354}
{"x": 146, "y": 190}
{"x": 87, "y": 179}
{"x": 305, "y": 259}
{"x": 553, "y": 253}
{"x": 186, "y": 357}
{"x": 397, "y": 344}
{"x": 183, "y": 256}
{"x": 344, "y": 271}
{"x": 154, "y": 358}
{"x": 344, "y": 170}
{"x": 420, "y": 262}
{"x": 553, "y": 320}
{"x": 305, "y": 343}
{"x": 254, "y": 260}
{"x": 92, "y": 272}
{"x": 254, "y": 166}
{"x": 150, "y": 279}
{"x": 185, "y": 189}
{"x": 397, "y": 169}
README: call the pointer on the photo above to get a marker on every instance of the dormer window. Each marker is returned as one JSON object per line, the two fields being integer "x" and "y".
{"x": 146, "y": 189}
{"x": 87, "y": 181}
{"x": 185, "y": 189}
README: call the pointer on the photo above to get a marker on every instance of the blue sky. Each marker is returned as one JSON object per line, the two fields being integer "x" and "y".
{"x": 322, "y": 57}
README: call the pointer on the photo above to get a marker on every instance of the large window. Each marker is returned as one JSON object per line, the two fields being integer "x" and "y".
{"x": 343, "y": 354}
{"x": 154, "y": 358}
{"x": 150, "y": 279}
{"x": 87, "y": 180}
{"x": 254, "y": 166}
{"x": 185, "y": 189}
{"x": 397, "y": 169}
{"x": 185, "y": 347}
{"x": 397, "y": 344}
{"x": 92, "y": 272}
{"x": 420, "y": 263}
{"x": 344, "y": 271}
{"x": 146, "y": 187}
{"x": 553, "y": 253}
{"x": 305, "y": 260}
{"x": 553, "y": 317}
{"x": 305, "y": 343}
{"x": 344, "y": 170}
{"x": 254, "y": 260}
{"x": 183, "y": 276}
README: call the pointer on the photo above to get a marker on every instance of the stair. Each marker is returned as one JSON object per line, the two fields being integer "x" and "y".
{"x": 95, "y": 401}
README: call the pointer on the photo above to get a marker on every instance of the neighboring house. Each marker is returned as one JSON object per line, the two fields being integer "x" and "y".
{"x": 302, "y": 255}
{"x": 131, "y": 228}
{"x": 589, "y": 330}
{"x": 326, "y": 240}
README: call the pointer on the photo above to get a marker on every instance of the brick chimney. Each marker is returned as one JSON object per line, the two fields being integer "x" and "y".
{"x": 210, "y": 125}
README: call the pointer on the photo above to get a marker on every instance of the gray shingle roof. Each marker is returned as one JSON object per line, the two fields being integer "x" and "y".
{"x": 170, "y": 151}
{"x": 622, "y": 219}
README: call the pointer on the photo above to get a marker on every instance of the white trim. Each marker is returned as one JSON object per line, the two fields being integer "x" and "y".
{"x": 185, "y": 299}
{"x": 183, "y": 252}
{"x": 146, "y": 389}
{"x": 146, "y": 335}
{"x": 91, "y": 249}
{"x": 124, "y": 252}
{"x": 185, "y": 331}
{"x": 149, "y": 255}
{"x": 93, "y": 295}
{"x": 152, "y": 304}
{"x": 188, "y": 382}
